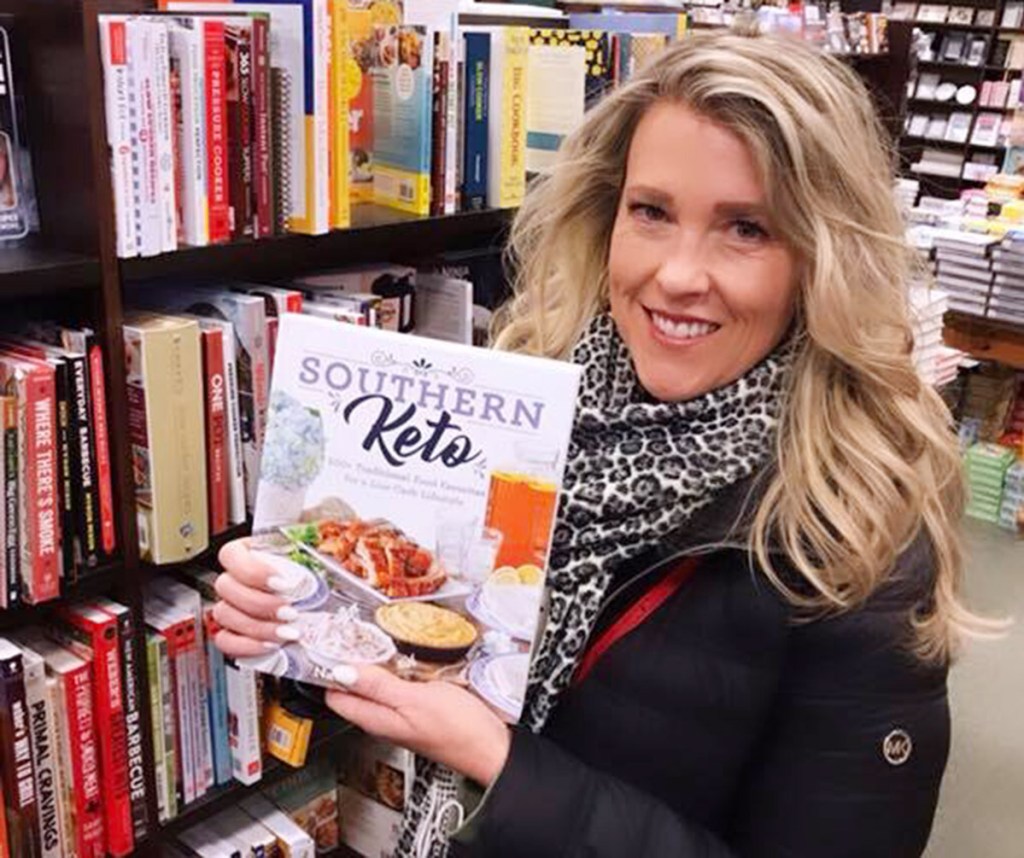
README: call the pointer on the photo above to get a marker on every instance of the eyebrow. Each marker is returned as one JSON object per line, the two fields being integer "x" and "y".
{"x": 729, "y": 207}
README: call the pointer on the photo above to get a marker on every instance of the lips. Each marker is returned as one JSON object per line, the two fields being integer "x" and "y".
{"x": 681, "y": 327}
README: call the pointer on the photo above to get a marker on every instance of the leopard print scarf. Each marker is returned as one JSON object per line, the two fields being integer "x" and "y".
{"x": 638, "y": 469}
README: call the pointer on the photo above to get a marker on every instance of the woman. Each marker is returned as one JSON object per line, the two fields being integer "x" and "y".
{"x": 754, "y": 580}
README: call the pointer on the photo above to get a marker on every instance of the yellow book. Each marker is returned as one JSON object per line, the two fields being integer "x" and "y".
{"x": 509, "y": 81}
{"x": 341, "y": 80}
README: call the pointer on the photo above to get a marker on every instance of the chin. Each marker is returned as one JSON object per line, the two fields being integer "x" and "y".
{"x": 666, "y": 388}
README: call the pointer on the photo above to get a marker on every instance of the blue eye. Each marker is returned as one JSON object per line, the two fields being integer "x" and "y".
{"x": 749, "y": 230}
{"x": 647, "y": 211}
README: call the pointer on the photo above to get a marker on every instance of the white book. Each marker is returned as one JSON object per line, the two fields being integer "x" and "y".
{"x": 145, "y": 155}
{"x": 118, "y": 110}
{"x": 959, "y": 127}
{"x": 206, "y": 842}
{"x": 556, "y": 101}
{"x": 187, "y": 56}
{"x": 981, "y": 276}
{"x": 986, "y": 129}
{"x": 444, "y": 308}
{"x": 292, "y": 840}
{"x": 165, "y": 133}
{"x": 44, "y": 751}
{"x": 63, "y": 778}
{"x": 244, "y": 718}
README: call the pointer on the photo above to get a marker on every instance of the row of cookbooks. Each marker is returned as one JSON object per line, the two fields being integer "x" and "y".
{"x": 199, "y": 360}
{"x": 57, "y": 514}
{"x": 230, "y": 120}
{"x": 72, "y": 777}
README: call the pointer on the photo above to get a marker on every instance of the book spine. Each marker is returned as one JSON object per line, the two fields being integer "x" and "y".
{"x": 177, "y": 124}
{"x": 44, "y": 757}
{"x": 156, "y": 718}
{"x": 168, "y": 211}
{"x": 101, "y": 437}
{"x": 508, "y": 176}
{"x": 116, "y": 85}
{"x": 320, "y": 193}
{"x": 341, "y": 213}
{"x": 142, "y": 67}
{"x": 262, "y": 186}
{"x": 439, "y": 128}
{"x": 216, "y": 429}
{"x": 218, "y": 699}
{"x": 62, "y": 764}
{"x": 41, "y": 549}
{"x": 187, "y": 50}
{"x": 475, "y": 167}
{"x": 280, "y": 147}
{"x": 245, "y": 107}
{"x": 172, "y": 744}
{"x": 451, "y": 140}
{"x": 17, "y": 773}
{"x": 243, "y": 706}
{"x": 85, "y": 767}
{"x": 130, "y": 691}
{"x": 12, "y": 500}
{"x": 65, "y": 471}
{"x": 86, "y": 530}
{"x": 235, "y": 139}
{"x": 235, "y": 456}
{"x": 99, "y": 635}
{"x": 216, "y": 131}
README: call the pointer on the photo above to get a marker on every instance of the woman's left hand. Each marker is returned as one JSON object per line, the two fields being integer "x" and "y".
{"x": 437, "y": 720}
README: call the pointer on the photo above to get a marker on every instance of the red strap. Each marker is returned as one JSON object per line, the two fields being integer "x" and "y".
{"x": 639, "y": 611}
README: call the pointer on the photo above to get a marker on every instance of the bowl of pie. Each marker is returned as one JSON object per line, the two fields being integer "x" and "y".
{"x": 427, "y": 632}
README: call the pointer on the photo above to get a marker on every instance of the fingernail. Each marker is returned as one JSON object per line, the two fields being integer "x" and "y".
{"x": 278, "y": 583}
{"x": 271, "y": 645}
{"x": 287, "y": 614}
{"x": 288, "y": 633}
{"x": 345, "y": 674}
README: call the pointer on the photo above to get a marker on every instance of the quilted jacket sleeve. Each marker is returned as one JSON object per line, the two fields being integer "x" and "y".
{"x": 830, "y": 774}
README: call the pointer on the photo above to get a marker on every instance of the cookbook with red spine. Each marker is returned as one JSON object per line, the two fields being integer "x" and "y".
{"x": 238, "y": 74}
{"x": 261, "y": 135}
{"x": 17, "y": 771}
{"x": 41, "y": 561}
{"x": 214, "y": 392}
{"x": 75, "y": 677}
{"x": 216, "y": 131}
{"x": 89, "y": 630}
{"x": 130, "y": 691}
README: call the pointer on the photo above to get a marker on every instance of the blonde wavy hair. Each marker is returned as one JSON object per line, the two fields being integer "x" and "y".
{"x": 865, "y": 453}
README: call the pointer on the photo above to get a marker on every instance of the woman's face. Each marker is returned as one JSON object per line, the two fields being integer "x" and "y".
{"x": 702, "y": 287}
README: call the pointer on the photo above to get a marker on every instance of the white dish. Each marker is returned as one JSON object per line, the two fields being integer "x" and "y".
{"x": 326, "y": 652}
{"x": 945, "y": 91}
{"x": 966, "y": 94}
{"x": 501, "y": 681}
{"x": 299, "y": 582}
{"x": 519, "y": 620}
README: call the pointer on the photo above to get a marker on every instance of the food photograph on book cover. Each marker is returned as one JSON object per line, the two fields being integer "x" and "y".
{"x": 406, "y": 504}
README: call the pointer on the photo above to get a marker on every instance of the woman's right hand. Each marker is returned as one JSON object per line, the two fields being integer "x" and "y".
{"x": 252, "y": 615}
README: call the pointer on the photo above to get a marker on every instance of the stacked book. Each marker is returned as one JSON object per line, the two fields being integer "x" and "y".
{"x": 987, "y": 465}
{"x": 963, "y": 267}
{"x": 71, "y": 743}
{"x": 1007, "y": 299}
{"x": 57, "y": 516}
{"x": 1011, "y": 513}
{"x": 906, "y": 191}
{"x": 987, "y": 401}
{"x": 937, "y": 363}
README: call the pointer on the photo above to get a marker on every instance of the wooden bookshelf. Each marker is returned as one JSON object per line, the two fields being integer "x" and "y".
{"x": 986, "y": 339}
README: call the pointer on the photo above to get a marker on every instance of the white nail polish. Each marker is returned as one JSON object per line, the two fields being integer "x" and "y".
{"x": 287, "y": 614}
{"x": 288, "y": 633}
{"x": 279, "y": 583}
{"x": 345, "y": 674}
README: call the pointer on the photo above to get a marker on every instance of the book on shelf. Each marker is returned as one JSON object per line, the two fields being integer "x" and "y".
{"x": 927, "y": 83}
{"x": 976, "y": 50}
{"x": 475, "y": 168}
{"x": 407, "y": 563}
{"x": 917, "y": 125}
{"x": 1013, "y": 15}
{"x": 17, "y": 767}
{"x": 19, "y": 214}
{"x": 937, "y": 127}
{"x": 953, "y": 47}
{"x": 556, "y": 101}
{"x": 986, "y": 129}
{"x": 932, "y": 13}
{"x": 959, "y": 127}
{"x": 311, "y": 795}
{"x": 292, "y": 839}
{"x": 985, "y": 18}
{"x": 963, "y": 15}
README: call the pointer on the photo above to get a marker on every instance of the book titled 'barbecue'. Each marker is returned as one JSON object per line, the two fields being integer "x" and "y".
{"x": 407, "y": 501}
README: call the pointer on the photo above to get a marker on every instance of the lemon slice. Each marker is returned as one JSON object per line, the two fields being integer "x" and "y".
{"x": 530, "y": 575}
{"x": 505, "y": 575}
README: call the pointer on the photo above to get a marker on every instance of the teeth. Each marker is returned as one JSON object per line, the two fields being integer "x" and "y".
{"x": 682, "y": 330}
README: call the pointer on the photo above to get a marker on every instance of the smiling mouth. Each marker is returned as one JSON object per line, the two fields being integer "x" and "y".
{"x": 681, "y": 329}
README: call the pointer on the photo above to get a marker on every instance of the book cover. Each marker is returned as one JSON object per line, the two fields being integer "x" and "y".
{"x": 237, "y": 95}
{"x": 44, "y": 752}
{"x": 338, "y": 112}
{"x": 11, "y": 502}
{"x": 299, "y": 42}
{"x": 600, "y": 60}
{"x": 310, "y": 798}
{"x": 162, "y": 718}
{"x": 408, "y": 491}
{"x": 19, "y": 214}
{"x": 74, "y": 676}
{"x": 475, "y": 169}
{"x": 218, "y": 693}
{"x": 507, "y": 124}
{"x": 165, "y": 134}
{"x": 39, "y": 522}
{"x": 92, "y": 633}
{"x": 187, "y": 52}
{"x": 292, "y": 840}
{"x": 130, "y": 696}
{"x": 17, "y": 770}
{"x": 218, "y": 194}
{"x": 117, "y": 107}
{"x": 145, "y": 168}
{"x": 61, "y": 750}
{"x": 165, "y": 404}
{"x": 402, "y": 85}
{"x": 261, "y": 133}
{"x": 439, "y": 124}
{"x": 244, "y": 724}
{"x": 556, "y": 100}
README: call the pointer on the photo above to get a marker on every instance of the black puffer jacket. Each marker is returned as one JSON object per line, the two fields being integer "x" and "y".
{"x": 720, "y": 728}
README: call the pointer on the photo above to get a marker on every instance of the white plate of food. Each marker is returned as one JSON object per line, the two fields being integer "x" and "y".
{"x": 377, "y": 558}
{"x": 501, "y": 681}
{"x": 509, "y": 600}
{"x": 342, "y": 638}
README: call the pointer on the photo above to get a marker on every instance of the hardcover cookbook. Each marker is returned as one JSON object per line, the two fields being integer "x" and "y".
{"x": 407, "y": 501}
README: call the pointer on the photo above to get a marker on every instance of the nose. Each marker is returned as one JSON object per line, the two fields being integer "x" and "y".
{"x": 684, "y": 269}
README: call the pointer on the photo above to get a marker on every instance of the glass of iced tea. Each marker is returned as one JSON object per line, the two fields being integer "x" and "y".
{"x": 521, "y": 505}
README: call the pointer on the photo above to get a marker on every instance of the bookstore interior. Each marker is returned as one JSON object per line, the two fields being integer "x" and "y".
{"x": 188, "y": 189}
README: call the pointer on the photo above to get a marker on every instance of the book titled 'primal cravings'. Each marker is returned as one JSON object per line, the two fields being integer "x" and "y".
{"x": 407, "y": 499}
